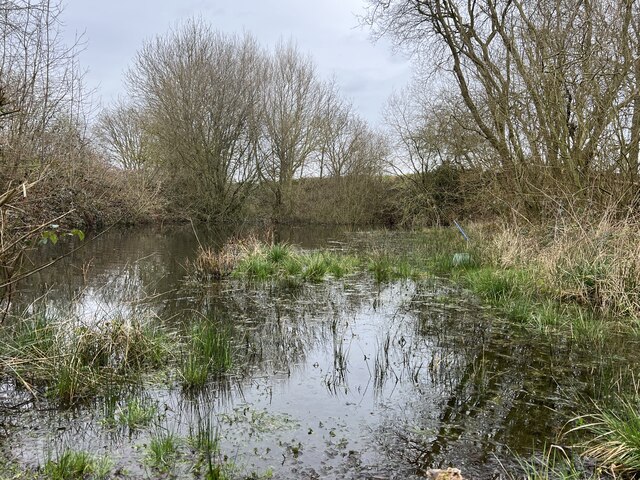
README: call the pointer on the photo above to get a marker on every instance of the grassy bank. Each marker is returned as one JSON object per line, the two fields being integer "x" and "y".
{"x": 577, "y": 282}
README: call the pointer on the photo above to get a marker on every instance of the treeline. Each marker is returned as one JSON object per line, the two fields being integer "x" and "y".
{"x": 540, "y": 99}
{"x": 228, "y": 128}
{"x": 526, "y": 109}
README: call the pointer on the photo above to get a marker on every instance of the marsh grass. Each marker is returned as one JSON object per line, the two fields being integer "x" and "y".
{"x": 136, "y": 413}
{"x": 281, "y": 263}
{"x": 593, "y": 262}
{"x": 614, "y": 433}
{"x": 77, "y": 465}
{"x": 386, "y": 267}
{"x": 162, "y": 451}
{"x": 207, "y": 353}
{"x": 555, "y": 464}
{"x": 205, "y": 441}
{"x": 73, "y": 360}
{"x": 215, "y": 264}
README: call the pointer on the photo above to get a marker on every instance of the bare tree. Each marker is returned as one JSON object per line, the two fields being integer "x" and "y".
{"x": 291, "y": 105}
{"x": 122, "y": 135}
{"x": 40, "y": 82}
{"x": 200, "y": 90}
{"x": 548, "y": 84}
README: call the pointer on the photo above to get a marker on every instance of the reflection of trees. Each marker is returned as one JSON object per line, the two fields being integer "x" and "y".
{"x": 275, "y": 327}
{"x": 127, "y": 267}
{"x": 482, "y": 388}
{"x": 119, "y": 268}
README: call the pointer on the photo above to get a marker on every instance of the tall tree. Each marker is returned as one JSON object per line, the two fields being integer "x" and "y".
{"x": 123, "y": 136}
{"x": 201, "y": 92}
{"x": 291, "y": 105}
{"x": 548, "y": 84}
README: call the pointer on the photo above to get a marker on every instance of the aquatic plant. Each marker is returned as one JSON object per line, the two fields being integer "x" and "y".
{"x": 278, "y": 252}
{"x": 386, "y": 266}
{"x": 214, "y": 264}
{"x": 205, "y": 441}
{"x": 162, "y": 451}
{"x": 256, "y": 267}
{"x": 136, "y": 413}
{"x": 380, "y": 267}
{"x": 73, "y": 359}
{"x": 555, "y": 463}
{"x": 207, "y": 352}
{"x": 77, "y": 465}
{"x": 614, "y": 435}
{"x": 315, "y": 267}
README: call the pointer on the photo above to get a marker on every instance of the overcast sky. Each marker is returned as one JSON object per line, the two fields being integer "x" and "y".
{"x": 329, "y": 30}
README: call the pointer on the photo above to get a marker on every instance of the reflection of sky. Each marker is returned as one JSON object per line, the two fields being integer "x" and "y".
{"x": 366, "y": 378}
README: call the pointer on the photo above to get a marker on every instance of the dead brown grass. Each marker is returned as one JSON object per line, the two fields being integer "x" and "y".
{"x": 214, "y": 264}
{"x": 592, "y": 262}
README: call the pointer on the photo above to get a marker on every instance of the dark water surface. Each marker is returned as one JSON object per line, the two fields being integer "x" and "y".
{"x": 345, "y": 379}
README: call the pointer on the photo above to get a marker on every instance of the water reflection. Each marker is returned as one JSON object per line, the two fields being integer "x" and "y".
{"x": 345, "y": 379}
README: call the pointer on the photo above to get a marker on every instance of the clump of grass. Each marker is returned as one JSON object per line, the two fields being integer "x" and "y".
{"x": 278, "y": 252}
{"x": 162, "y": 451}
{"x": 281, "y": 263}
{"x": 386, "y": 267}
{"x": 255, "y": 260}
{"x": 78, "y": 465}
{"x": 73, "y": 360}
{"x": 380, "y": 267}
{"x": 207, "y": 352}
{"x": 615, "y": 436}
{"x": 215, "y": 264}
{"x": 256, "y": 267}
{"x": 555, "y": 464}
{"x": 593, "y": 262}
{"x": 315, "y": 267}
{"x": 136, "y": 413}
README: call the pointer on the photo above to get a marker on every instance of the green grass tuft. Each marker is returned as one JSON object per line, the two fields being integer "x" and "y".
{"x": 208, "y": 352}
{"x": 73, "y": 360}
{"x": 162, "y": 452}
{"x": 76, "y": 465}
{"x": 615, "y": 436}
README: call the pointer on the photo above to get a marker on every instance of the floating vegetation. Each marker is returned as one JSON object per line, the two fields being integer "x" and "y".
{"x": 258, "y": 421}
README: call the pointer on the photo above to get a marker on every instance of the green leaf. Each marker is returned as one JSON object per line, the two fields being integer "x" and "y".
{"x": 49, "y": 236}
{"x": 78, "y": 233}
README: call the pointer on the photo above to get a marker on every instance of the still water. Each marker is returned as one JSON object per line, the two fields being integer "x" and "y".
{"x": 344, "y": 379}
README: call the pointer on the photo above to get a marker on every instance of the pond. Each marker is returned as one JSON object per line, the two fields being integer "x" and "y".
{"x": 344, "y": 379}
